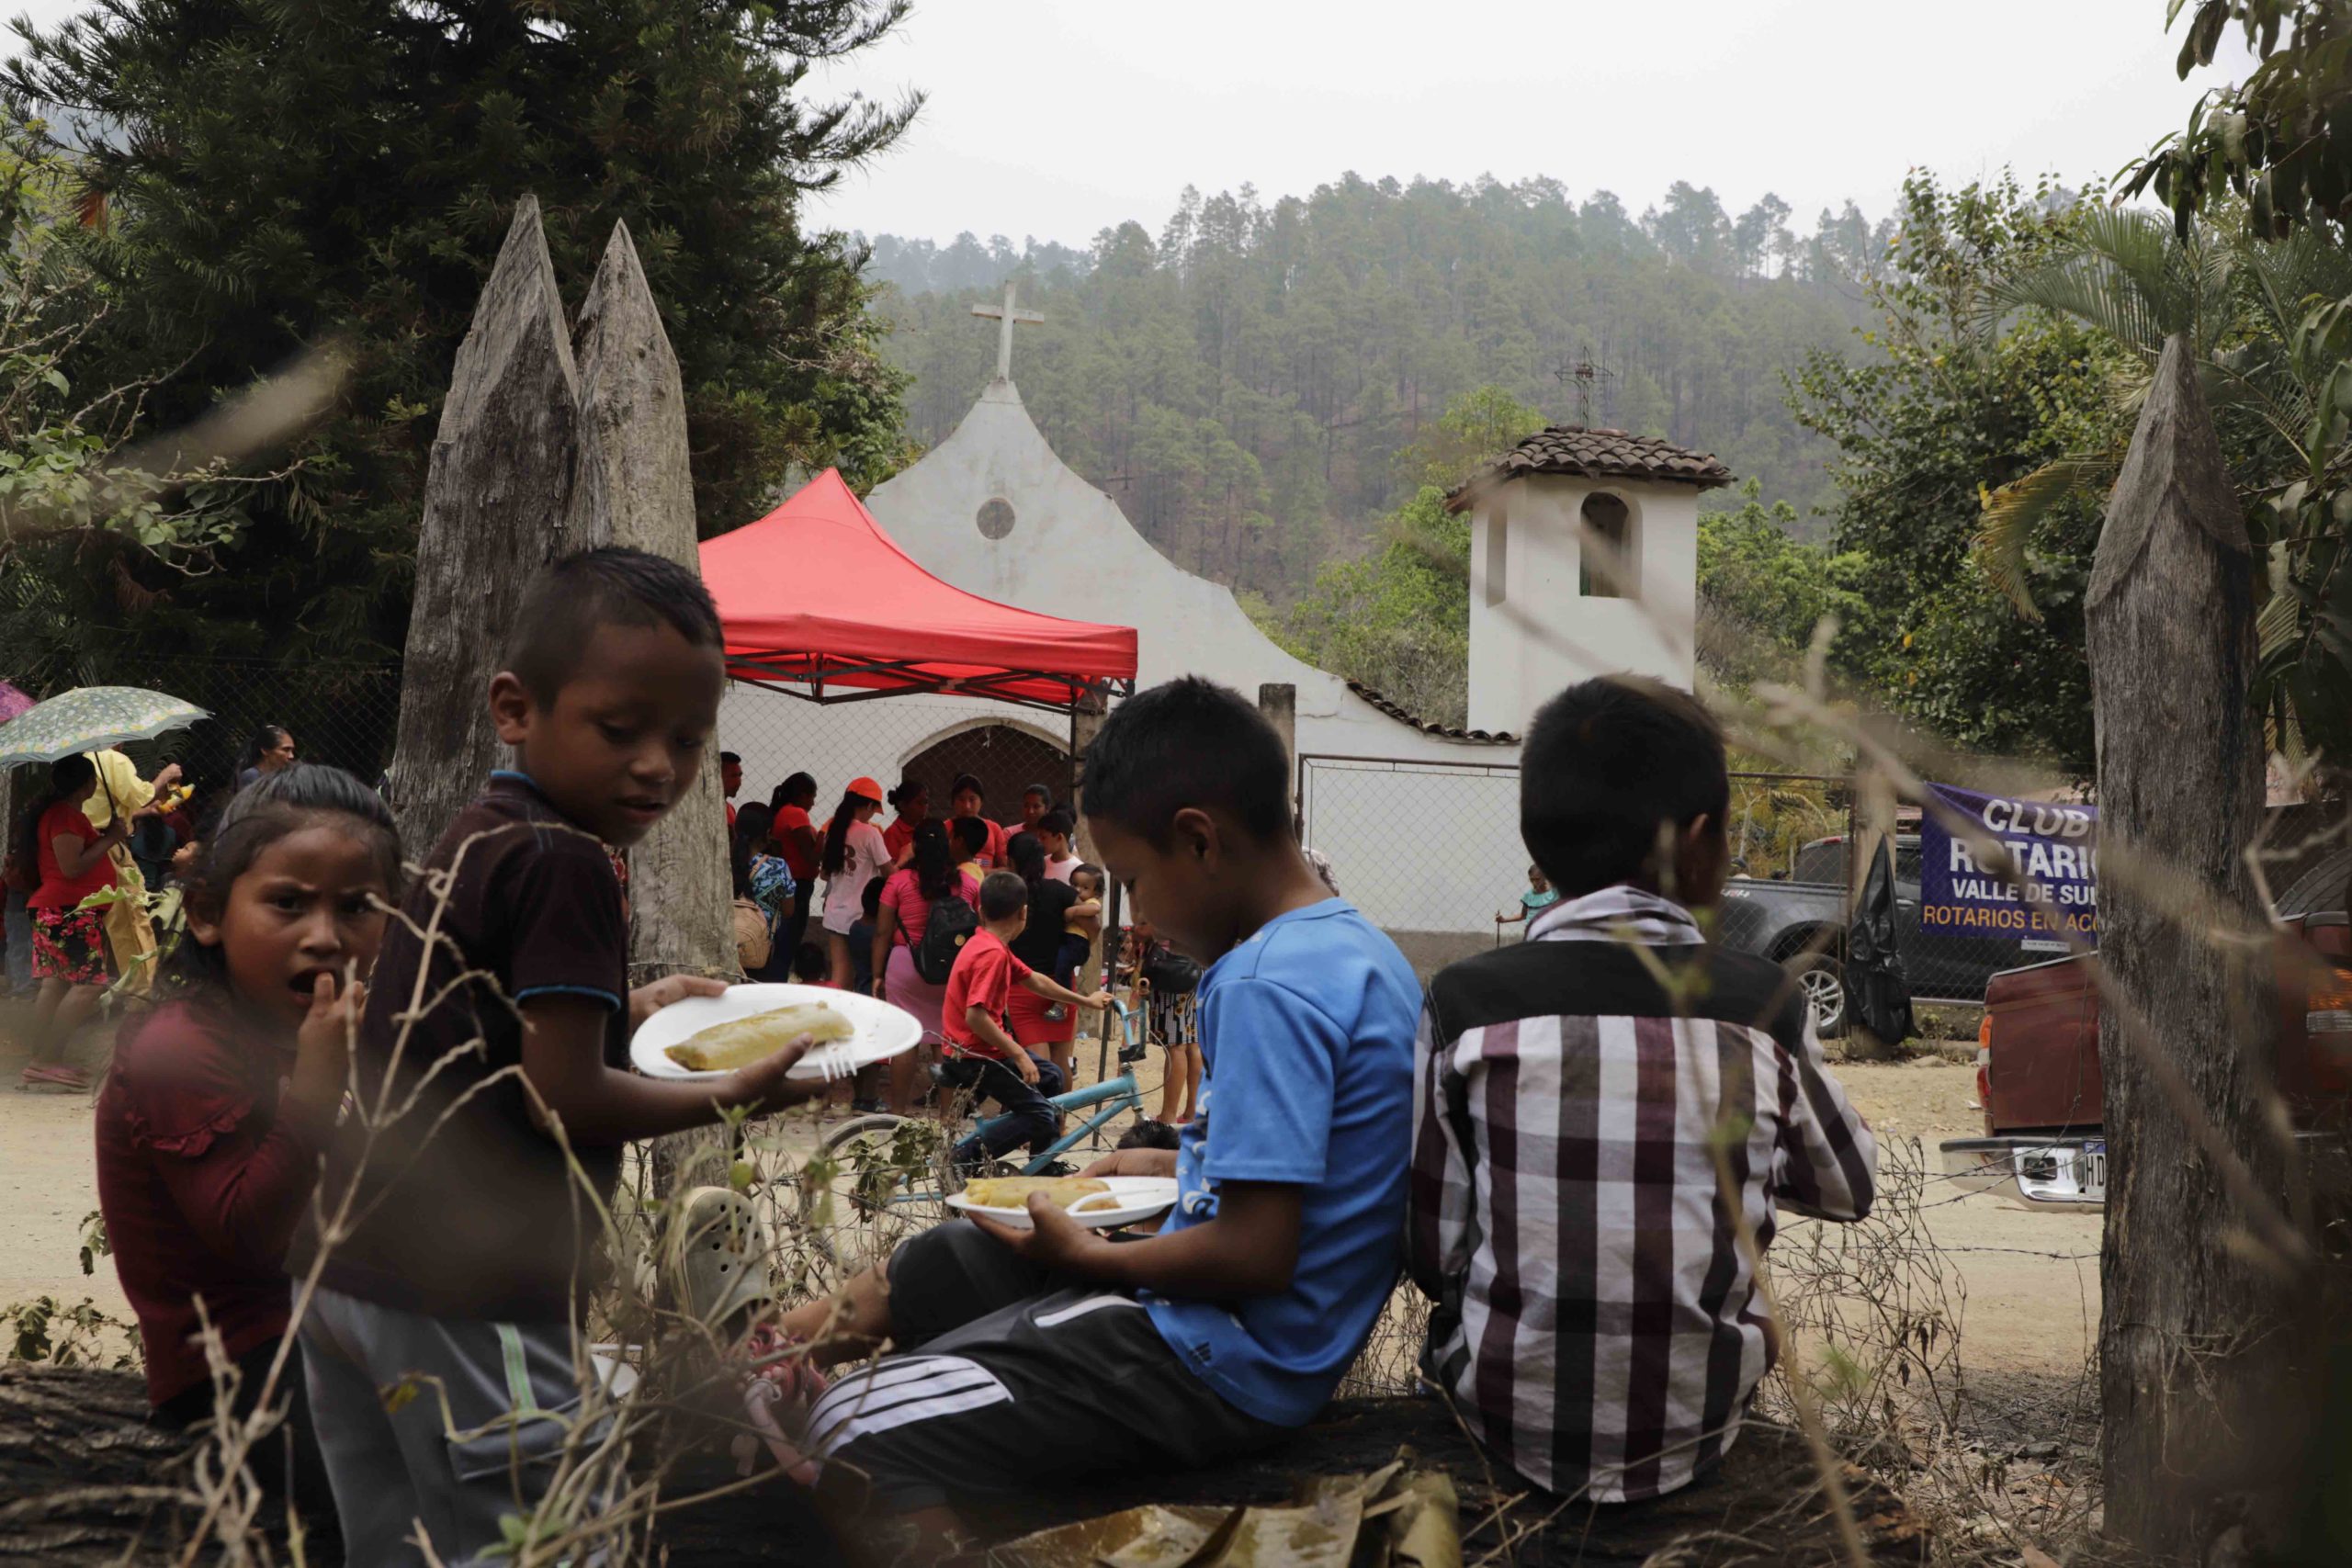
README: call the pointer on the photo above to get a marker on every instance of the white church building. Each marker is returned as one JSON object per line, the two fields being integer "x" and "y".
{"x": 1583, "y": 561}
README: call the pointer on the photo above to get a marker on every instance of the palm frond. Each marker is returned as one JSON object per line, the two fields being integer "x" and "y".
{"x": 2012, "y": 513}
{"x": 2278, "y": 622}
{"x": 2123, "y": 272}
{"x": 2289, "y": 278}
{"x": 2207, "y": 269}
{"x": 2288, "y": 273}
{"x": 2089, "y": 290}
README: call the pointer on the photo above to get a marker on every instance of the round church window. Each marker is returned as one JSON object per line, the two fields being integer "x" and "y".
{"x": 996, "y": 517}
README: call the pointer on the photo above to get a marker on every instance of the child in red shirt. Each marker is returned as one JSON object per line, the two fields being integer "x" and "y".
{"x": 981, "y": 1056}
{"x": 219, "y": 1101}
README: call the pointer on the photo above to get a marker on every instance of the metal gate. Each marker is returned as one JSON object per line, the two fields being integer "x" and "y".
{"x": 1428, "y": 849}
{"x": 1431, "y": 850}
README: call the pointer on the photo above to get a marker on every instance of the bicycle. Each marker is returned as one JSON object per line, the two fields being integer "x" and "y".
{"x": 883, "y": 1165}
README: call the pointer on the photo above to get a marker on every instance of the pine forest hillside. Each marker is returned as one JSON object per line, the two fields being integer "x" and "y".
{"x": 1243, "y": 383}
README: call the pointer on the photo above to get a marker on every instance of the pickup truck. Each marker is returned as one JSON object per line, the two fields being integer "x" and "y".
{"x": 1799, "y": 924}
{"x": 2038, "y": 1074}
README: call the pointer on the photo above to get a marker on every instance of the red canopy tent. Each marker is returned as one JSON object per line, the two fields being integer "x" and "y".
{"x": 820, "y": 604}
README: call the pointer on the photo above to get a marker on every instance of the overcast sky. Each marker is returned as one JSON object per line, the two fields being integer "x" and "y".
{"x": 1056, "y": 117}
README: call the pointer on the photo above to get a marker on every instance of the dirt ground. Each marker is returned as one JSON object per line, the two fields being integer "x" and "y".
{"x": 2031, "y": 1276}
{"x": 48, "y": 1184}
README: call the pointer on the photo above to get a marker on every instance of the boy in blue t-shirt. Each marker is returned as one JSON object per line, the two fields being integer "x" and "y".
{"x": 1235, "y": 1322}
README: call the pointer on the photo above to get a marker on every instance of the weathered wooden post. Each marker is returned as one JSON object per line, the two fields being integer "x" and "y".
{"x": 1086, "y": 718}
{"x": 1278, "y": 700}
{"x": 632, "y": 486}
{"x": 2189, "y": 1321}
{"x": 496, "y": 496}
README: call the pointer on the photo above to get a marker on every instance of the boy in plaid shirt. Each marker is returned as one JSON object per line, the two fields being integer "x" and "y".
{"x": 1589, "y": 1106}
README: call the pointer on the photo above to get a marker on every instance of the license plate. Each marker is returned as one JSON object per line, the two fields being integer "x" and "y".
{"x": 2064, "y": 1173}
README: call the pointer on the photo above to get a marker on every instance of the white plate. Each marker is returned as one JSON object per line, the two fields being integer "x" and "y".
{"x": 1131, "y": 1197}
{"x": 883, "y": 1031}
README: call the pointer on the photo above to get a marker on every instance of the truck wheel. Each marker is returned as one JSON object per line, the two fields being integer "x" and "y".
{"x": 1821, "y": 981}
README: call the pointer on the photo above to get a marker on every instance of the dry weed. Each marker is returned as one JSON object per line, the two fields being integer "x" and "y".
{"x": 1873, "y": 1318}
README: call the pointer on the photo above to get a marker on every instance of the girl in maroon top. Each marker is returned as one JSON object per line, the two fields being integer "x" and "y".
{"x": 219, "y": 1100}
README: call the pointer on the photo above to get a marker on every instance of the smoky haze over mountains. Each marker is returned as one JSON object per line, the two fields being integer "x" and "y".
{"x": 1058, "y": 117}
{"x": 1242, "y": 379}
{"x": 1244, "y": 397}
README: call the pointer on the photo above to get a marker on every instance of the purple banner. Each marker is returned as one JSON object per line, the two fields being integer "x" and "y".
{"x": 2054, "y": 844}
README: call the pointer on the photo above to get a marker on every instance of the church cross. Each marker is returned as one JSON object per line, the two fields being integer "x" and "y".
{"x": 1007, "y": 318}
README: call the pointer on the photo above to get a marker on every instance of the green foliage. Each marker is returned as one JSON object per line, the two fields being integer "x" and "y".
{"x": 2281, "y": 142}
{"x": 2123, "y": 274}
{"x": 45, "y": 1329}
{"x": 272, "y": 177}
{"x": 1475, "y": 427}
{"x": 1762, "y": 591}
{"x": 1970, "y": 396}
{"x": 1242, "y": 383}
{"x": 96, "y": 1243}
{"x": 2281, "y": 139}
{"x": 1399, "y": 619}
{"x": 63, "y": 480}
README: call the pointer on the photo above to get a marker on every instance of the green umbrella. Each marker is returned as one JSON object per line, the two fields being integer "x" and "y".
{"x": 91, "y": 719}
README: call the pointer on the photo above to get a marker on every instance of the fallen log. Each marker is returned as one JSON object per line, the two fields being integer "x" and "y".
{"x": 83, "y": 1479}
{"x": 1765, "y": 1505}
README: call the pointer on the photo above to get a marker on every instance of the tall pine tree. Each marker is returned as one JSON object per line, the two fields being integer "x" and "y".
{"x": 264, "y": 176}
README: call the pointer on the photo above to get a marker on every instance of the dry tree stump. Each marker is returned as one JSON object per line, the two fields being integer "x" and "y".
{"x": 2198, "y": 1342}
{"x": 496, "y": 493}
{"x": 83, "y": 1479}
{"x": 632, "y": 485}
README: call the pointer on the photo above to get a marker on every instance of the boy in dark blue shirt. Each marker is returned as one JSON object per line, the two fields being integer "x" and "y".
{"x": 499, "y": 1010}
{"x": 1236, "y": 1321}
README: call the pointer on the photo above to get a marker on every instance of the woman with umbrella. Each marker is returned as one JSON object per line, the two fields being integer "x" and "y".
{"x": 69, "y": 942}
{"x": 69, "y": 860}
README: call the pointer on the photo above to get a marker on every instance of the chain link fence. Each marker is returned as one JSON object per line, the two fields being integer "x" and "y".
{"x": 1790, "y": 826}
{"x": 1430, "y": 851}
{"x": 345, "y": 715}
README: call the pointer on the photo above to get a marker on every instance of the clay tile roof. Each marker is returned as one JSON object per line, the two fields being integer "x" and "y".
{"x": 1597, "y": 454}
{"x": 1427, "y": 727}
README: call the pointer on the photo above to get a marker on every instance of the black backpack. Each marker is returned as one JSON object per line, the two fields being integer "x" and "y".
{"x": 1170, "y": 972}
{"x": 952, "y": 923}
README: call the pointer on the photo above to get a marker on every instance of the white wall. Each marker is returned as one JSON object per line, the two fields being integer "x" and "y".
{"x": 1072, "y": 552}
{"x": 1531, "y": 632}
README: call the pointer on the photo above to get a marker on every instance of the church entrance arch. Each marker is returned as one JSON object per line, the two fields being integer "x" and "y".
{"x": 1007, "y": 757}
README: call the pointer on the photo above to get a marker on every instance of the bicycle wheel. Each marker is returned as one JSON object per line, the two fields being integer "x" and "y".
{"x": 870, "y": 1183}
